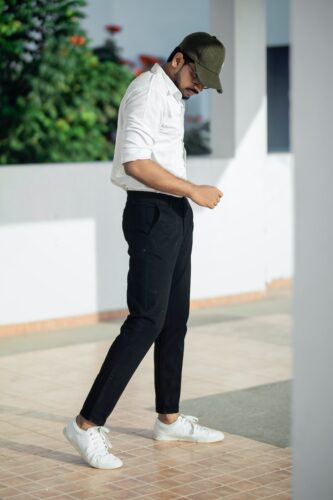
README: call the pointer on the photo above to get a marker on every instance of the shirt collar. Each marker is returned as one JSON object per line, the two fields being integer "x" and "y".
{"x": 171, "y": 87}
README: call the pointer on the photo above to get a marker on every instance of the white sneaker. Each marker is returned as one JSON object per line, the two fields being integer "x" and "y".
{"x": 185, "y": 428}
{"x": 93, "y": 445}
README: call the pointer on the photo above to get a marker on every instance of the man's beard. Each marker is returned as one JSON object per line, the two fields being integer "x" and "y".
{"x": 184, "y": 97}
{"x": 176, "y": 82}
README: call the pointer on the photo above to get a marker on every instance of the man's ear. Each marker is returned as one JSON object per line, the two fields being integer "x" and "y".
{"x": 177, "y": 60}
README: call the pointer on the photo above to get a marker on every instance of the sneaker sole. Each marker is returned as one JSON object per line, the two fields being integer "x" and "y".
{"x": 83, "y": 457}
{"x": 198, "y": 440}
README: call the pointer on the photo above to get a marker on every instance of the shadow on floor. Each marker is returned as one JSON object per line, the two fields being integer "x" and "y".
{"x": 261, "y": 413}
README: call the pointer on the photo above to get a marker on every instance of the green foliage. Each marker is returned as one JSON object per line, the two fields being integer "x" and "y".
{"x": 196, "y": 139}
{"x": 109, "y": 51}
{"x": 59, "y": 102}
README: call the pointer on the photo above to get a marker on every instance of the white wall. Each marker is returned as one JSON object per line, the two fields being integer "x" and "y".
{"x": 61, "y": 248}
{"x": 98, "y": 15}
{"x": 239, "y": 116}
{"x": 279, "y": 216}
{"x": 62, "y": 251}
{"x": 312, "y": 110}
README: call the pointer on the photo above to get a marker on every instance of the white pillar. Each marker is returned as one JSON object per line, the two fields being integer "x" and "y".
{"x": 312, "y": 135}
{"x": 222, "y": 106}
{"x": 239, "y": 115}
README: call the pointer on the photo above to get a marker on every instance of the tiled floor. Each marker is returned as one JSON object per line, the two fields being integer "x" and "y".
{"x": 235, "y": 356}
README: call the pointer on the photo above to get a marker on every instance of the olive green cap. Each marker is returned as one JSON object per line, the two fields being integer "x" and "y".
{"x": 208, "y": 54}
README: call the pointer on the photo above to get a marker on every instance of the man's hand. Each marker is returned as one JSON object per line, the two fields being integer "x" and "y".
{"x": 206, "y": 196}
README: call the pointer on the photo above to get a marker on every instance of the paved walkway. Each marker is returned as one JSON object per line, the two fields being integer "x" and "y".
{"x": 236, "y": 377}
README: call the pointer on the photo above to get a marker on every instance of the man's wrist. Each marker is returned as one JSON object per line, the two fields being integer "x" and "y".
{"x": 190, "y": 187}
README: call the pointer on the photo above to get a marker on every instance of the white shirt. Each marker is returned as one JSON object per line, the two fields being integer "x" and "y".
{"x": 150, "y": 126}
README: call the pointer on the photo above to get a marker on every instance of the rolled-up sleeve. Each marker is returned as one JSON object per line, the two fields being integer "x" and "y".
{"x": 143, "y": 115}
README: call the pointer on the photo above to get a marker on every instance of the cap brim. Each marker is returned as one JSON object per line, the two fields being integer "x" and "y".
{"x": 208, "y": 78}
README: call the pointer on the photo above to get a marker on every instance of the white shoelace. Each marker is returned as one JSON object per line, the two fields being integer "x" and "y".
{"x": 190, "y": 418}
{"x": 192, "y": 421}
{"x": 100, "y": 439}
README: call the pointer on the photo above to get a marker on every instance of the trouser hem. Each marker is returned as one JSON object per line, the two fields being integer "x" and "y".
{"x": 162, "y": 410}
{"x": 92, "y": 419}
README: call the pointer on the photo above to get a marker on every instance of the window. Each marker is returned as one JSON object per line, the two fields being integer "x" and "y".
{"x": 278, "y": 98}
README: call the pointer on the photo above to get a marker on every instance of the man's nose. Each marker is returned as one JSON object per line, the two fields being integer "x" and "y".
{"x": 199, "y": 87}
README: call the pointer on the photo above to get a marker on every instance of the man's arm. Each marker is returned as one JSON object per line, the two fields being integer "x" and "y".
{"x": 153, "y": 175}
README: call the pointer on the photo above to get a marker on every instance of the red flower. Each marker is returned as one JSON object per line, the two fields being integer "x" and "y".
{"x": 146, "y": 59}
{"x": 127, "y": 61}
{"x": 77, "y": 40}
{"x": 113, "y": 28}
{"x": 193, "y": 118}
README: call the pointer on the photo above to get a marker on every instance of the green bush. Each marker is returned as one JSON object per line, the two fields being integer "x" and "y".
{"x": 59, "y": 102}
{"x": 197, "y": 139}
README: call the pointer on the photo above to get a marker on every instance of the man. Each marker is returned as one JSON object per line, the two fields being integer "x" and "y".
{"x": 149, "y": 163}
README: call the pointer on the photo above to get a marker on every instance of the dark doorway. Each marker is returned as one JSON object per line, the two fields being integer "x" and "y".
{"x": 278, "y": 98}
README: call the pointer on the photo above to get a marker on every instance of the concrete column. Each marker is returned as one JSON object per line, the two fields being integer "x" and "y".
{"x": 312, "y": 111}
{"x": 239, "y": 116}
{"x": 222, "y": 106}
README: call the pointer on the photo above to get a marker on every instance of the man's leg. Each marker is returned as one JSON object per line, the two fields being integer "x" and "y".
{"x": 153, "y": 232}
{"x": 169, "y": 346}
{"x": 168, "y": 354}
{"x": 153, "y": 249}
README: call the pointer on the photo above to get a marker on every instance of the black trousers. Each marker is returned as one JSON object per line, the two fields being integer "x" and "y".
{"x": 158, "y": 229}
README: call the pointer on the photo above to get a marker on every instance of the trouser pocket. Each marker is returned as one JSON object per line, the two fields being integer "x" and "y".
{"x": 140, "y": 218}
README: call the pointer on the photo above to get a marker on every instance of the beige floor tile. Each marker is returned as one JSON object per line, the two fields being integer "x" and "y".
{"x": 42, "y": 390}
{"x": 240, "y": 496}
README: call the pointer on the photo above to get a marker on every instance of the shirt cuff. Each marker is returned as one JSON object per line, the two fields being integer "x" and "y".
{"x": 132, "y": 154}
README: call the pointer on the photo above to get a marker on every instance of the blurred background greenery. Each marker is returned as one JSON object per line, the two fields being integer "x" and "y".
{"x": 59, "y": 100}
